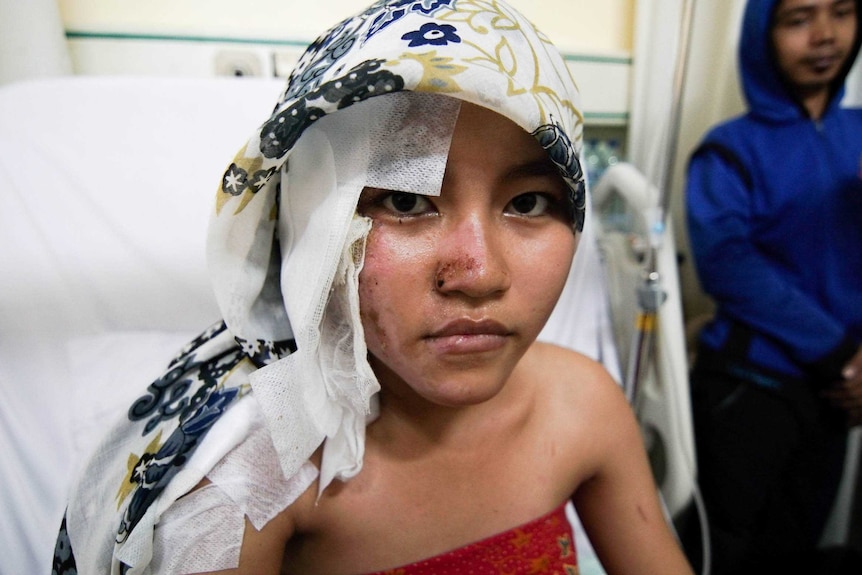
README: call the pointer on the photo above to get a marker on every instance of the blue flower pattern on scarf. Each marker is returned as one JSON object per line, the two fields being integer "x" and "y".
{"x": 167, "y": 397}
{"x": 326, "y": 51}
{"x": 154, "y": 471}
{"x": 432, "y": 34}
{"x": 319, "y": 57}
{"x": 563, "y": 155}
{"x": 189, "y": 390}
{"x": 279, "y": 134}
{"x": 307, "y": 100}
{"x": 394, "y": 11}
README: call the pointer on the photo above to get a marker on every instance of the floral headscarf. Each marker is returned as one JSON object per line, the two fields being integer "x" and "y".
{"x": 479, "y": 51}
{"x": 285, "y": 249}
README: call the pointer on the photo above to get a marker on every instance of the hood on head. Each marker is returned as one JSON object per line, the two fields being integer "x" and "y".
{"x": 765, "y": 90}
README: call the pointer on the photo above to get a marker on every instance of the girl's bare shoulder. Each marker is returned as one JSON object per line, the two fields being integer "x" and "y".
{"x": 577, "y": 396}
{"x": 567, "y": 375}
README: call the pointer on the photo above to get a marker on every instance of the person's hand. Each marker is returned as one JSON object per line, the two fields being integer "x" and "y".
{"x": 846, "y": 393}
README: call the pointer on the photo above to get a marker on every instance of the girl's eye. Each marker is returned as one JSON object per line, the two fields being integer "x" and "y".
{"x": 406, "y": 204}
{"x": 531, "y": 204}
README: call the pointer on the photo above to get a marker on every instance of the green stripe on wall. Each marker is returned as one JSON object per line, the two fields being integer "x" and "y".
{"x": 622, "y": 60}
{"x": 76, "y": 34}
{"x": 73, "y": 34}
{"x": 607, "y": 116}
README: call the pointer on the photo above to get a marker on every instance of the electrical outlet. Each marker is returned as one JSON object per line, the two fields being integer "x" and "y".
{"x": 238, "y": 63}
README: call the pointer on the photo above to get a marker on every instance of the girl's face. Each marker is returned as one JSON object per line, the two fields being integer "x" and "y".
{"x": 455, "y": 288}
{"x": 813, "y": 39}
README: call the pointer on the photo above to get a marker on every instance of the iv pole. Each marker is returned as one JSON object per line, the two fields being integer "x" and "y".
{"x": 650, "y": 294}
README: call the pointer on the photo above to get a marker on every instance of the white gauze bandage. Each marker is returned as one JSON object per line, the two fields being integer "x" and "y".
{"x": 324, "y": 390}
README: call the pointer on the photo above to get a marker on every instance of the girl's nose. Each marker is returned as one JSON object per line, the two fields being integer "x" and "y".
{"x": 472, "y": 260}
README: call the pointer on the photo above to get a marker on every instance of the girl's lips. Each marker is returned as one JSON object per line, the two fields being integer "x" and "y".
{"x": 464, "y": 336}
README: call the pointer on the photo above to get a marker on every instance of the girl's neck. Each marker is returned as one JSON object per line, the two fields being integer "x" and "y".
{"x": 414, "y": 424}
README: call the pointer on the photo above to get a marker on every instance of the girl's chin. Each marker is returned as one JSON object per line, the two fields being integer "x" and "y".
{"x": 464, "y": 393}
{"x": 455, "y": 382}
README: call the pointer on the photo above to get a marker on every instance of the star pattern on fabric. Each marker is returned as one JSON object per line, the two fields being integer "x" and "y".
{"x": 521, "y": 539}
{"x": 540, "y": 564}
{"x": 566, "y": 547}
{"x": 137, "y": 467}
{"x": 540, "y": 546}
{"x": 261, "y": 177}
{"x": 235, "y": 180}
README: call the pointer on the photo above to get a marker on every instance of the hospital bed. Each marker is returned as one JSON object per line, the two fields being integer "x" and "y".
{"x": 107, "y": 186}
{"x": 105, "y": 196}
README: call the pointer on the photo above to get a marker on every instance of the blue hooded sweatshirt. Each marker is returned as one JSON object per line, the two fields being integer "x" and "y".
{"x": 774, "y": 202}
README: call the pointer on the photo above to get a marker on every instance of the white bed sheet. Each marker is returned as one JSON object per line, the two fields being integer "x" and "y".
{"x": 106, "y": 189}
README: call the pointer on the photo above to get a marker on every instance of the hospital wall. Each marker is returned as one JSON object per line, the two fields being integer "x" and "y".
{"x": 265, "y": 37}
{"x": 579, "y": 25}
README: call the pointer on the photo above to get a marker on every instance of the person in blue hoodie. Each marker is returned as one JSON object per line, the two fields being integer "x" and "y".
{"x": 774, "y": 207}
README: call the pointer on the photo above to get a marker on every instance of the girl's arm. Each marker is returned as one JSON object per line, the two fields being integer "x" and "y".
{"x": 619, "y": 505}
{"x": 262, "y": 552}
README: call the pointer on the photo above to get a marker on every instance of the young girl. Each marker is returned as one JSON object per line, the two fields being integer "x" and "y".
{"x": 385, "y": 250}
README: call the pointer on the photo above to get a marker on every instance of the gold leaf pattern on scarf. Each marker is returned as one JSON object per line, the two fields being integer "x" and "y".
{"x": 504, "y": 58}
{"x": 437, "y": 72}
{"x": 468, "y": 10}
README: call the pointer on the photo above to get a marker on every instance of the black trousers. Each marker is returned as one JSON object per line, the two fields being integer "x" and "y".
{"x": 769, "y": 466}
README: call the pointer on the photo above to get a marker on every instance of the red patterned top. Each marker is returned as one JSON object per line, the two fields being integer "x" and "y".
{"x": 544, "y": 545}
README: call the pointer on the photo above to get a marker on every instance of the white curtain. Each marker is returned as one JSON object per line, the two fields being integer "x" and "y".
{"x": 711, "y": 94}
{"x": 32, "y": 40}
{"x": 854, "y": 85}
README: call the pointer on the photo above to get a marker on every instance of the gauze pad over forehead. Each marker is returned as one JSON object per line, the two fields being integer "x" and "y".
{"x": 395, "y": 142}
{"x": 410, "y": 144}
{"x": 323, "y": 390}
